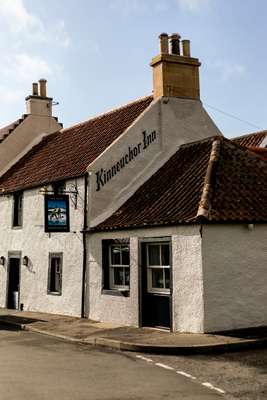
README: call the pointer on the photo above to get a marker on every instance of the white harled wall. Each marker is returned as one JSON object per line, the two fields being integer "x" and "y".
{"x": 32, "y": 241}
{"x": 187, "y": 278}
{"x": 174, "y": 122}
{"x": 235, "y": 276}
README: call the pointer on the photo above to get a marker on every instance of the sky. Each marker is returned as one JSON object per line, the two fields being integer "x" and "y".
{"x": 95, "y": 55}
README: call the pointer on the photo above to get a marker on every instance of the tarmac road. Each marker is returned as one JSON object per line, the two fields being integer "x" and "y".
{"x": 242, "y": 375}
{"x": 38, "y": 367}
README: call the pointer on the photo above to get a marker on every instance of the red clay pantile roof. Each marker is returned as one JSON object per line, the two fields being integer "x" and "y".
{"x": 253, "y": 139}
{"x": 6, "y": 130}
{"x": 213, "y": 180}
{"x": 67, "y": 154}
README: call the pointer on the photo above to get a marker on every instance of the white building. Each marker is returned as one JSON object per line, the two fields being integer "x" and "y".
{"x": 119, "y": 218}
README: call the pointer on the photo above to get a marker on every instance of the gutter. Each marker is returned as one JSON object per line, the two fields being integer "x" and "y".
{"x": 84, "y": 275}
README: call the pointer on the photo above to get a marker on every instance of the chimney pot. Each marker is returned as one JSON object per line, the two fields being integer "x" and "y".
{"x": 175, "y": 43}
{"x": 35, "y": 89}
{"x": 163, "y": 43}
{"x": 173, "y": 74}
{"x": 42, "y": 84}
{"x": 186, "y": 48}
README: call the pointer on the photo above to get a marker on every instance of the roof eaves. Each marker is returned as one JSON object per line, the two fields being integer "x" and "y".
{"x": 40, "y": 183}
{"x": 100, "y": 228}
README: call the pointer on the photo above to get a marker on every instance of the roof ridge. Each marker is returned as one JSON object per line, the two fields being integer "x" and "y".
{"x": 249, "y": 149}
{"x": 249, "y": 134}
{"x": 204, "y": 140}
{"x": 108, "y": 112}
{"x": 207, "y": 191}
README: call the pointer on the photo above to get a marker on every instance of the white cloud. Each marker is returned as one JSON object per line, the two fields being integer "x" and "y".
{"x": 18, "y": 19}
{"x": 21, "y": 22}
{"x": 24, "y": 67}
{"x": 193, "y": 5}
{"x": 61, "y": 35}
{"x": 227, "y": 69}
{"x": 10, "y": 97}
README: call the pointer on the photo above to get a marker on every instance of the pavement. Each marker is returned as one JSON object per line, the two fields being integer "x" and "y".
{"x": 119, "y": 337}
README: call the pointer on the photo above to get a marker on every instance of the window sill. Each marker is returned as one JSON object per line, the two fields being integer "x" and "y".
{"x": 158, "y": 293}
{"x": 114, "y": 292}
{"x": 54, "y": 293}
{"x": 17, "y": 227}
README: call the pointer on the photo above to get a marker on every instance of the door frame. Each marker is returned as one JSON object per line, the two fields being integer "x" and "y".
{"x": 13, "y": 254}
{"x": 141, "y": 242}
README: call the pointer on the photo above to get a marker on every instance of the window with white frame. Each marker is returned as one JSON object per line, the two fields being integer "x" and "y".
{"x": 119, "y": 266}
{"x": 55, "y": 273}
{"x": 158, "y": 267}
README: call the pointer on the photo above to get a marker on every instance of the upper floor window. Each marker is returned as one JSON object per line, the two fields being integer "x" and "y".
{"x": 59, "y": 187}
{"x": 17, "y": 209}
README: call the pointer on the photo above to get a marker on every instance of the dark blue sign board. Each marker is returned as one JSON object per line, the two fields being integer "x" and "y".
{"x": 57, "y": 218}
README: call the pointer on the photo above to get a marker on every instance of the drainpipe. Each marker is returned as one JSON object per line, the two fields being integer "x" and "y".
{"x": 84, "y": 275}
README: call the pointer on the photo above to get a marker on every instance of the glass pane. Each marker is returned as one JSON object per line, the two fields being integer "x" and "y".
{"x": 57, "y": 283}
{"x": 153, "y": 255}
{"x": 165, "y": 254}
{"x": 52, "y": 287}
{"x": 118, "y": 276}
{"x": 115, "y": 255}
{"x": 157, "y": 278}
{"x": 127, "y": 276}
{"x": 167, "y": 278}
{"x": 55, "y": 262}
{"x": 125, "y": 255}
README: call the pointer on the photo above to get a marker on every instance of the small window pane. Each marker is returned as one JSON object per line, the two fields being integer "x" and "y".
{"x": 165, "y": 254}
{"x": 167, "y": 278}
{"x": 115, "y": 255}
{"x": 125, "y": 255}
{"x": 153, "y": 255}
{"x": 127, "y": 276}
{"x": 52, "y": 287}
{"x": 118, "y": 276}
{"x": 157, "y": 278}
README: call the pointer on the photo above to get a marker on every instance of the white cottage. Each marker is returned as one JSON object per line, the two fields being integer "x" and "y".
{"x": 188, "y": 250}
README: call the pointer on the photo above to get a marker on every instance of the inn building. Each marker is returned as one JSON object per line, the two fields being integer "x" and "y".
{"x": 145, "y": 215}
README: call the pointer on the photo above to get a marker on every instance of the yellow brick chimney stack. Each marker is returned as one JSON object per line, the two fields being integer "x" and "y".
{"x": 175, "y": 72}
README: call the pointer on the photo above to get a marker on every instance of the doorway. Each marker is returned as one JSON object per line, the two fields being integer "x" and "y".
{"x": 13, "y": 282}
{"x": 156, "y": 284}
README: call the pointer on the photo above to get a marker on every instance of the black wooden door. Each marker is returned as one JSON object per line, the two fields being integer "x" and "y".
{"x": 13, "y": 283}
{"x": 155, "y": 303}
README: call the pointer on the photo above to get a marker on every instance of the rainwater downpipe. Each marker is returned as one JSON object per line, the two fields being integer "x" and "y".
{"x": 84, "y": 268}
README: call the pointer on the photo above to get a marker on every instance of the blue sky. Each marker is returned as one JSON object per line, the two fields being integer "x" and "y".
{"x": 95, "y": 54}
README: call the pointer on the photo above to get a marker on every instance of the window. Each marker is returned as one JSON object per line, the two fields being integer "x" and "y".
{"x": 55, "y": 273}
{"x": 158, "y": 267}
{"x": 59, "y": 187}
{"x": 119, "y": 262}
{"x": 17, "y": 209}
{"x": 116, "y": 266}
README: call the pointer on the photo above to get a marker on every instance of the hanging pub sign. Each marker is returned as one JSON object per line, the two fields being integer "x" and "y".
{"x": 57, "y": 213}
